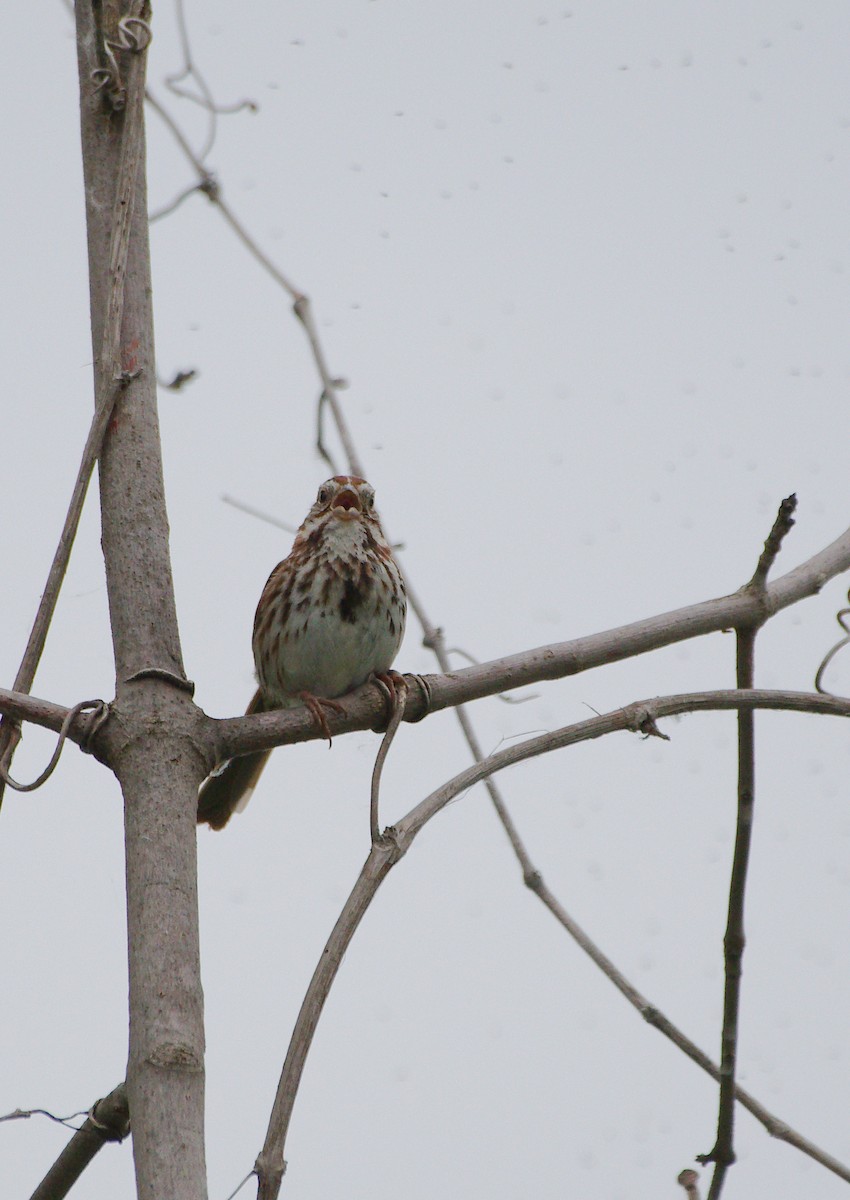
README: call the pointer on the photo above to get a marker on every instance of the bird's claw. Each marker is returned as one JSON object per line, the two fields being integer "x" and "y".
{"x": 394, "y": 686}
{"x": 316, "y": 705}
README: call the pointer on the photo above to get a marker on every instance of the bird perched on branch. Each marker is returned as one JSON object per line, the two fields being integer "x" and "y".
{"x": 330, "y": 617}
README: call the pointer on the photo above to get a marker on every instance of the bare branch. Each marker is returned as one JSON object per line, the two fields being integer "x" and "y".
{"x": 632, "y": 718}
{"x": 9, "y": 734}
{"x": 722, "y": 1153}
{"x": 113, "y": 374}
{"x": 239, "y": 735}
{"x": 396, "y": 840}
{"x": 20, "y": 706}
{"x": 212, "y": 190}
{"x": 654, "y": 1017}
{"x": 108, "y": 1120}
{"x": 205, "y": 99}
{"x": 101, "y": 713}
{"x": 301, "y": 302}
{"x": 167, "y": 209}
{"x": 258, "y": 512}
{"x": 270, "y": 1164}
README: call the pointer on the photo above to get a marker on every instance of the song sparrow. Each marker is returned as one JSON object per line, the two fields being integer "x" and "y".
{"x": 331, "y": 616}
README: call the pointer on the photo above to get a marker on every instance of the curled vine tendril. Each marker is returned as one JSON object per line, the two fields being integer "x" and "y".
{"x": 841, "y": 617}
{"x": 100, "y": 711}
{"x": 134, "y": 35}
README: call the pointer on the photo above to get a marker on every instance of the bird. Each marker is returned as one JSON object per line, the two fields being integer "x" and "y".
{"x": 330, "y": 617}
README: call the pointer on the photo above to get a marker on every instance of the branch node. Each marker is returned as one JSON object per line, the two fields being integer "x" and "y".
{"x": 300, "y": 306}
{"x": 390, "y": 841}
{"x": 210, "y": 186}
{"x": 434, "y": 640}
{"x": 117, "y": 1125}
{"x": 179, "y": 681}
{"x": 125, "y": 378}
{"x": 652, "y": 1015}
{"x": 641, "y": 719}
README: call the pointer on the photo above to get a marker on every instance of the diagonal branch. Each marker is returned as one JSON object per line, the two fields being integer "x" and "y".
{"x": 396, "y": 841}
{"x": 239, "y": 735}
{"x": 108, "y": 1121}
{"x": 654, "y": 1017}
{"x": 109, "y": 384}
{"x": 757, "y": 603}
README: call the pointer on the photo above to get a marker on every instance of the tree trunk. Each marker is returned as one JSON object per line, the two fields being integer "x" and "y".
{"x": 156, "y": 754}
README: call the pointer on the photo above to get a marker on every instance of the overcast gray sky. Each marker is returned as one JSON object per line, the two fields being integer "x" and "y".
{"x": 585, "y": 268}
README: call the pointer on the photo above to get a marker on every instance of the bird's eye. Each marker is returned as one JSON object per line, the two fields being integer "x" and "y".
{"x": 369, "y": 498}
{"x": 324, "y": 494}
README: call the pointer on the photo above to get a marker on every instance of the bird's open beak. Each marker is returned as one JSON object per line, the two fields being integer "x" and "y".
{"x": 347, "y": 505}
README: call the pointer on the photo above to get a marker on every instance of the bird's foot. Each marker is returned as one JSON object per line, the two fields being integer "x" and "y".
{"x": 394, "y": 685}
{"x": 316, "y": 705}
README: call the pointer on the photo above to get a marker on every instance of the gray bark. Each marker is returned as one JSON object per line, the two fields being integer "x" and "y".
{"x": 156, "y": 730}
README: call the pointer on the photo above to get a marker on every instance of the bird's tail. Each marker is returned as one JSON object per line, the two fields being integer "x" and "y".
{"x": 228, "y": 789}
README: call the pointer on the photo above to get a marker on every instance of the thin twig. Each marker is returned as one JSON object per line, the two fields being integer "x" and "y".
{"x": 781, "y": 526}
{"x": 321, "y": 446}
{"x": 301, "y": 302}
{"x": 173, "y": 205}
{"x": 240, "y": 1186}
{"x": 109, "y": 368}
{"x": 205, "y": 99}
{"x": 434, "y": 639}
{"x": 654, "y": 1017}
{"x": 9, "y": 734}
{"x": 213, "y": 192}
{"x": 303, "y": 310}
{"x": 722, "y": 1154}
{"x": 258, "y": 512}
{"x": 24, "y": 1114}
{"x": 398, "y": 699}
